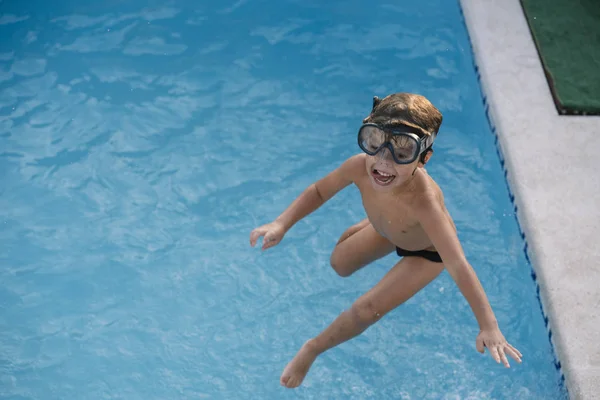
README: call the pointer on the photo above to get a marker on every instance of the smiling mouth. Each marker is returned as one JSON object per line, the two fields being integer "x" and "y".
{"x": 382, "y": 178}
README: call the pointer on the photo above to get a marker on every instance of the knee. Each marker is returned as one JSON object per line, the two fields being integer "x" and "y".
{"x": 338, "y": 265}
{"x": 365, "y": 313}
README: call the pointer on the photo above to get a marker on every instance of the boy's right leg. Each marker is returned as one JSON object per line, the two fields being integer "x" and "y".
{"x": 358, "y": 246}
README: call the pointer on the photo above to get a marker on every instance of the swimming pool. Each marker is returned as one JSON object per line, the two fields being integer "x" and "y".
{"x": 140, "y": 144}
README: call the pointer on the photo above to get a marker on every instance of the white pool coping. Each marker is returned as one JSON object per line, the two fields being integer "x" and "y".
{"x": 553, "y": 170}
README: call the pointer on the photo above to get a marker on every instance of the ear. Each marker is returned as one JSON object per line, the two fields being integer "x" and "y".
{"x": 425, "y": 157}
{"x": 376, "y": 101}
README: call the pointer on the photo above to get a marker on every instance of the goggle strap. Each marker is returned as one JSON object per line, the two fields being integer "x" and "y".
{"x": 428, "y": 141}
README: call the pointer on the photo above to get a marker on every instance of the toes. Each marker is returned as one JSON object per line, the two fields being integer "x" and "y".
{"x": 289, "y": 382}
{"x": 292, "y": 383}
{"x": 284, "y": 380}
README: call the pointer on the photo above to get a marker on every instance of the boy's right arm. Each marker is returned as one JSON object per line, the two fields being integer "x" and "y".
{"x": 309, "y": 200}
{"x": 318, "y": 193}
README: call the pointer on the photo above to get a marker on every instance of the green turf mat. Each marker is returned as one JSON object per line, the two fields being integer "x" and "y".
{"x": 567, "y": 36}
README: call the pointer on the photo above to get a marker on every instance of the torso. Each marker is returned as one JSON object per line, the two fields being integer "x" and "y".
{"x": 391, "y": 215}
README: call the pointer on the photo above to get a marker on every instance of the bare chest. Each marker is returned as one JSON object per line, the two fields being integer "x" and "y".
{"x": 391, "y": 219}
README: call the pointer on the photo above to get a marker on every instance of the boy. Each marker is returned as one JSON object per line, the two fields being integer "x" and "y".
{"x": 405, "y": 213}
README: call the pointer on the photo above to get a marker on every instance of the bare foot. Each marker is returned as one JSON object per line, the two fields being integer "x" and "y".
{"x": 294, "y": 373}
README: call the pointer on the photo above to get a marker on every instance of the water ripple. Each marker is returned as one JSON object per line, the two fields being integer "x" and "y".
{"x": 101, "y": 40}
{"x": 8, "y": 19}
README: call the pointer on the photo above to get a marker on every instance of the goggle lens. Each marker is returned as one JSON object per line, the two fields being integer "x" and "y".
{"x": 403, "y": 147}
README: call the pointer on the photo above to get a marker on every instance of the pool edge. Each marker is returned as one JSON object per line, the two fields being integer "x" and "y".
{"x": 498, "y": 33}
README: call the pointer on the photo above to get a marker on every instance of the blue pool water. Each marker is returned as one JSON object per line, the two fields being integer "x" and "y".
{"x": 142, "y": 141}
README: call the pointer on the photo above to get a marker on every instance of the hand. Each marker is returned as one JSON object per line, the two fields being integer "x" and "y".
{"x": 497, "y": 346}
{"x": 273, "y": 233}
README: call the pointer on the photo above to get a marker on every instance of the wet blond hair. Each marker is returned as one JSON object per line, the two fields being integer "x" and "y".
{"x": 406, "y": 108}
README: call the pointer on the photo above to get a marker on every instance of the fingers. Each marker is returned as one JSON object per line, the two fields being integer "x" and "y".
{"x": 494, "y": 353}
{"x": 503, "y": 356}
{"x": 510, "y": 346}
{"x": 498, "y": 348}
{"x": 498, "y": 352}
{"x": 513, "y": 354}
{"x": 269, "y": 242}
{"x": 255, "y": 234}
{"x": 479, "y": 345}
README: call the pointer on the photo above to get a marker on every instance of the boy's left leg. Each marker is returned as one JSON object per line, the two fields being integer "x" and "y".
{"x": 403, "y": 281}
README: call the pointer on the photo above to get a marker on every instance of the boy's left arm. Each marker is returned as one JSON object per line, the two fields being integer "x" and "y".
{"x": 438, "y": 226}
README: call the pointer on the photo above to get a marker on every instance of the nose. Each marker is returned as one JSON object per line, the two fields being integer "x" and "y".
{"x": 385, "y": 154}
